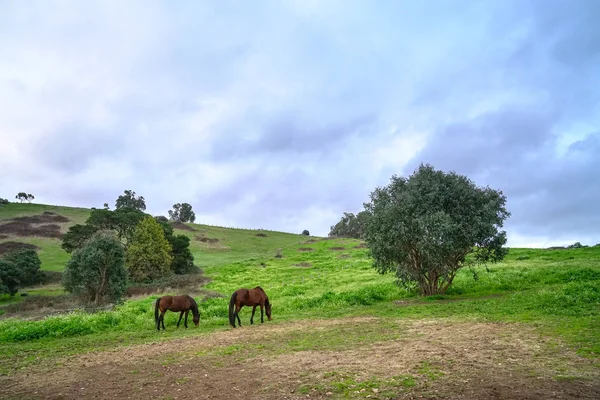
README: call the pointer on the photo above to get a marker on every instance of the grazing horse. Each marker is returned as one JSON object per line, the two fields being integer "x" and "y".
{"x": 182, "y": 304}
{"x": 244, "y": 297}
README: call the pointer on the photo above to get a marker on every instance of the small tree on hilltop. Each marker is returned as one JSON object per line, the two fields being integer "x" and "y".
{"x": 30, "y": 197}
{"x": 351, "y": 226}
{"x": 306, "y": 232}
{"x": 22, "y": 196}
{"x": 97, "y": 270}
{"x": 149, "y": 253}
{"x": 182, "y": 212}
{"x": 129, "y": 200}
{"x": 422, "y": 228}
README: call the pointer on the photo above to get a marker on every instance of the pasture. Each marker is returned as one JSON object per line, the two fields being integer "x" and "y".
{"x": 528, "y": 327}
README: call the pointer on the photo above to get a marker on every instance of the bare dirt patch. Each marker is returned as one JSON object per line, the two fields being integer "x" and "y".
{"x": 3, "y": 237}
{"x": 361, "y": 246}
{"x": 337, "y": 248}
{"x": 344, "y": 256}
{"x": 205, "y": 239}
{"x": 306, "y": 249}
{"x": 303, "y": 264}
{"x": 43, "y": 225}
{"x": 440, "y": 358}
{"x": 261, "y": 234}
{"x": 182, "y": 226}
{"x": 7, "y": 247}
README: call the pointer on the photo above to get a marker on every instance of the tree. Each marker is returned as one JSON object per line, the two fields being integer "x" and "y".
{"x": 97, "y": 270}
{"x": 76, "y": 236}
{"x": 183, "y": 260}
{"x": 306, "y": 232}
{"x": 182, "y": 212}
{"x": 129, "y": 200}
{"x": 28, "y": 263}
{"x": 424, "y": 227}
{"x": 350, "y": 225}
{"x": 149, "y": 253}
{"x": 123, "y": 221}
{"x": 106, "y": 206}
{"x": 10, "y": 277}
{"x": 22, "y": 196}
{"x": 30, "y": 197}
{"x": 3, "y": 201}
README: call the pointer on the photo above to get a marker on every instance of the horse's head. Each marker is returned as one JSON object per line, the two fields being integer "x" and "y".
{"x": 268, "y": 310}
{"x": 197, "y": 319}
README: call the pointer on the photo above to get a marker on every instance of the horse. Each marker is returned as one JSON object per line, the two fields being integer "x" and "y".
{"x": 244, "y": 297}
{"x": 182, "y": 304}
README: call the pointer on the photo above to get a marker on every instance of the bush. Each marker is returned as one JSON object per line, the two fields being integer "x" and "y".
{"x": 97, "y": 271}
{"x": 149, "y": 253}
{"x": 306, "y": 232}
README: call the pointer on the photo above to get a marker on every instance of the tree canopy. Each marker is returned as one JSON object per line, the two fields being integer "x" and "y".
{"x": 351, "y": 226}
{"x": 424, "y": 227}
{"x": 182, "y": 212}
{"x": 148, "y": 255}
{"x": 22, "y": 196}
{"x": 129, "y": 200}
{"x": 97, "y": 269}
{"x": 17, "y": 269}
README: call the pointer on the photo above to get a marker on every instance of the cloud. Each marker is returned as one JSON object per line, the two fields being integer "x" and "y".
{"x": 285, "y": 115}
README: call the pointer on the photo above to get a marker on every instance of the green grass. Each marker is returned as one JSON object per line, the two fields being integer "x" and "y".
{"x": 557, "y": 291}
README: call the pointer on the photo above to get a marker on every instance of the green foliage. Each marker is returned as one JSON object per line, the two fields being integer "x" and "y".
{"x": 576, "y": 245}
{"x": 182, "y": 212}
{"x": 28, "y": 263}
{"x": 3, "y": 201}
{"x": 149, "y": 252}
{"x": 351, "y": 226}
{"x": 128, "y": 200}
{"x": 10, "y": 277}
{"x": 423, "y": 227}
{"x": 183, "y": 260}
{"x": 76, "y": 236}
{"x": 306, "y": 232}
{"x": 30, "y": 197}
{"x": 22, "y": 196}
{"x": 97, "y": 271}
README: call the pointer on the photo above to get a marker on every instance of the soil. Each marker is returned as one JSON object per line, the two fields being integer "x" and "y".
{"x": 450, "y": 360}
{"x": 306, "y": 249}
{"x": 182, "y": 226}
{"x": 7, "y": 247}
{"x": 43, "y": 225}
{"x": 303, "y": 264}
{"x": 337, "y": 248}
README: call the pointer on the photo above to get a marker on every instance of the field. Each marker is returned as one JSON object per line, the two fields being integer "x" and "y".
{"x": 528, "y": 327}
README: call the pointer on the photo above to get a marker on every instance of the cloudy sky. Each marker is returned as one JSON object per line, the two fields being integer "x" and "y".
{"x": 284, "y": 114}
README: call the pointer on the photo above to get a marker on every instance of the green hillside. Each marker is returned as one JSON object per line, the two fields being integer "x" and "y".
{"x": 211, "y": 246}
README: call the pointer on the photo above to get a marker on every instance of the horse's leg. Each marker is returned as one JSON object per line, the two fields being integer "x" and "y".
{"x": 262, "y": 319}
{"x": 185, "y": 321}
{"x": 161, "y": 318}
{"x": 180, "y": 315}
{"x": 252, "y": 317}
{"x": 237, "y": 315}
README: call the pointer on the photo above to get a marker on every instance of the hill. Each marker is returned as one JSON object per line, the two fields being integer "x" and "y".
{"x": 41, "y": 225}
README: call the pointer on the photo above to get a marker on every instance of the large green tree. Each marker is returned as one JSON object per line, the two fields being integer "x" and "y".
{"x": 428, "y": 226}
{"x": 149, "y": 253}
{"x": 10, "y": 277}
{"x": 97, "y": 271}
{"x": 182, "y": 212}
{"x": 183, "y": 260}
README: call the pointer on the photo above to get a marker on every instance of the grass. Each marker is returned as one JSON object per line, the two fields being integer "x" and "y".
{"x": 556, "y": 290}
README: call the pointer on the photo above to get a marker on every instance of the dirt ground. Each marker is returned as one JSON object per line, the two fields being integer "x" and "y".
{"x": 434, "y": 359}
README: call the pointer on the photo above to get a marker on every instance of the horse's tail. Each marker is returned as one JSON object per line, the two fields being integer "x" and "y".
{"x": 231, "y": 305}
{"x": 156, "y": 310}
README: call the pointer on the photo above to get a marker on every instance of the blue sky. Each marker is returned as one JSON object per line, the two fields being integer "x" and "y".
{"x": 283, "y": 115}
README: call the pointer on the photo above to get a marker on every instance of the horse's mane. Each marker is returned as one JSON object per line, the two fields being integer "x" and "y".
{"x": 194, "y": 306}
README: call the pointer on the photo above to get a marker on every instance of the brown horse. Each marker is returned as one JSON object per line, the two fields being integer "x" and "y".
{"x": 182, "y": 304}
{"x": 244, "y": 297}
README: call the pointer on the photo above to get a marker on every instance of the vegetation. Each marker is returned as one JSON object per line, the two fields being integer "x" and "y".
{"x": 423, "y": 227}
{"x": 97, "y": 271}
{"x": 3, "y": 201}
{"x": 306, "y": 232}
{"x": 22, "y": 196}
{"x": 17, "y": 269}
{"x": 182, "y": 212}
{"x": 351, "y": 226}
{"x": 128, "y": 200}
{"x": 149, "y": 253}
{"x": 183, "y": 260}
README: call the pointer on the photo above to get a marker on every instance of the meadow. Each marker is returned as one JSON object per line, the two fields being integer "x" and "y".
{"x": 326, "y": 286}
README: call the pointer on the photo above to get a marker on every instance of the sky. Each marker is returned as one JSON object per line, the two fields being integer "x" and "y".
{"x": 282, "y": 115}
